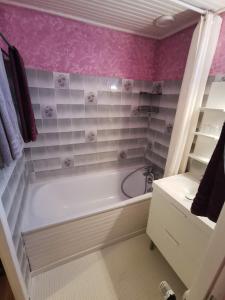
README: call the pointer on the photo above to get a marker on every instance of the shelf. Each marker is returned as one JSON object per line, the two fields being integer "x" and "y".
{"x": 162, "y": 143}
{"x": 199, "y": 158}
{"x": 213, "y": 109}
{"x": 157, "y": 129}
{"x": 157, "y": 163}
{"x": 211, "y": 136}
{"x": 168, "y": 108}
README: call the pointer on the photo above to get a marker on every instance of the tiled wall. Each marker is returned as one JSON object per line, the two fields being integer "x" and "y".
{"x": 161, "y": 125}
{"x": 13, "y": 186}
{"x": 89, "y": 122}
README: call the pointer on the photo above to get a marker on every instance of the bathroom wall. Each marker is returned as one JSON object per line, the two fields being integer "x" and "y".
{"x": 218, "y": 65}
{"x": 58, "y": 44}
{"x": 171, "y": 55}
{"x": 116, "y": 128}
{"x": 90, "y": 123}
{"x": 13, "y": 186}
{"x": 73, "y": 46}
{"x": 86, "y": 122}
{"x": 161, "y": 125}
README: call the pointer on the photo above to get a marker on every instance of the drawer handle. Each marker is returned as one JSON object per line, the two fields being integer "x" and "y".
{"x": 171, "y": 237}
{"x": 179, "y": 210}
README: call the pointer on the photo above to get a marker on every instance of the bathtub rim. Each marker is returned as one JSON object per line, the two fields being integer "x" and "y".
{"x": 132, "y": 201}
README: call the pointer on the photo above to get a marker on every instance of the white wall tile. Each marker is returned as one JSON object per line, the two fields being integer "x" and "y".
{"x": 77, "y": 96}
{"x": 44, "y": 79}
{"x": 62, "y": 96}
{"x": 76, "y": 81}
{"x": 112, "y": 117}
{"x": 32, "y": 77}
{"x": 46, "y": 95}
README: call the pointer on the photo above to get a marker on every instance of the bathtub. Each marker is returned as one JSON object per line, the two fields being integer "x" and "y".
{"x": 71, "y": 216}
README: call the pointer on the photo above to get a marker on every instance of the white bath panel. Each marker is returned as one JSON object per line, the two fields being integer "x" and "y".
{"x": 49, "y": 246}
{"x": 125, "y": 271}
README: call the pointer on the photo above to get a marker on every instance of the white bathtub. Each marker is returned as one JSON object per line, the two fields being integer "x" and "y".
{"x": 66, "y": 217}
{"x": 62, "y": 199}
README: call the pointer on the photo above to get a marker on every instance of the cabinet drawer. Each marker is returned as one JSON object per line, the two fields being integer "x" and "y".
{"x": 179, "y": 224}
{"x": 173, "y": 252}
{"x": 168, "y": 215}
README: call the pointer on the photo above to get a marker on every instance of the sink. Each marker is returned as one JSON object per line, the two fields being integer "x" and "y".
{"x": 180, "y": 186}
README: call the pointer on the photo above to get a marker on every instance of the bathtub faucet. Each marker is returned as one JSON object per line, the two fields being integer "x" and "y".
{"x": 148, "y": 170}
{"x": 149, "y": 178}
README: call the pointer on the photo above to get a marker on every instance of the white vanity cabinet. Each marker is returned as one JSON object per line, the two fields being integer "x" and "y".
{"x": 180, "y": 236}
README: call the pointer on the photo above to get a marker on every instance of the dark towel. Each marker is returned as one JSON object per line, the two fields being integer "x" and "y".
{"x": 26, "y": 115}
{"x": 210, "y": 197}
{"x": 11, "y": 86}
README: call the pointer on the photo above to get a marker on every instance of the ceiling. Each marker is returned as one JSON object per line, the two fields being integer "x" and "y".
{"x": 213, "y": 5}
{"x": 135, "y": 16}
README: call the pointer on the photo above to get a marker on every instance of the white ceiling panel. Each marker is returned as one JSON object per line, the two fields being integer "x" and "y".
{"x": 213, "y": 5}
{"x": 135, "y": 16}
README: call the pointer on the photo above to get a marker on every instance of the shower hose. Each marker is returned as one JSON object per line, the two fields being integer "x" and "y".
{"x": 149, "y": 177}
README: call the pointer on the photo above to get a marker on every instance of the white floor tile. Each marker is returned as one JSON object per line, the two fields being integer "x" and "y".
{"x": 125, "y": 271}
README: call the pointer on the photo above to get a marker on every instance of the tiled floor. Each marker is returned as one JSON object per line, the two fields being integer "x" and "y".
{"x": 125, "y": 271}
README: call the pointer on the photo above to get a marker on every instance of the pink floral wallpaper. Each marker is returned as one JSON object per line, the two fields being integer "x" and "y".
{"x": 59, "y": 44}
{"x": 218, "y": 65}
{"x": 171, "y": 55}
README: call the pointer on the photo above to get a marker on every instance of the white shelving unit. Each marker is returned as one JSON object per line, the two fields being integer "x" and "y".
{"x": 213, "y": 109}
{"x": 211, "y": 119}
{"x": 199, "y": 158}
{"x": 211, "y": 136}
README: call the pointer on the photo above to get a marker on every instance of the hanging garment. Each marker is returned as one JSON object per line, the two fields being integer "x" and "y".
{"x": 210, "y": 197}
{"x": 26, "y": 114}
{"x": 11, "y": 86}
{"x": 11, "y": 144}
